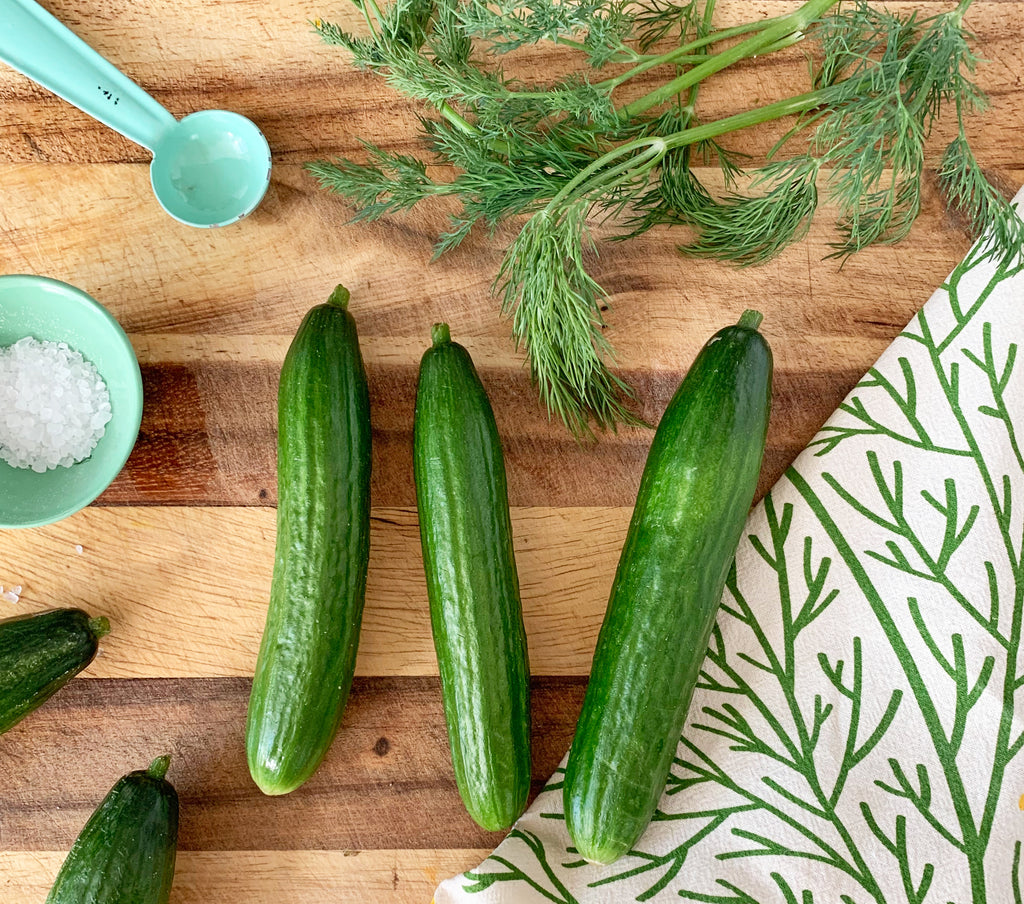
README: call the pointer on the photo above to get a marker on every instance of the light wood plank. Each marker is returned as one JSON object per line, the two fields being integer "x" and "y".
{"x": 99, "y": 227}
{"x": 208, "y": 433}
{"x": 186, "y": 588}
{"x": 270, "y": 877}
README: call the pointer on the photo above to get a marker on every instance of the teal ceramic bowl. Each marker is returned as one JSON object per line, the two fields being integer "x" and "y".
{"x": 48, "y": 309}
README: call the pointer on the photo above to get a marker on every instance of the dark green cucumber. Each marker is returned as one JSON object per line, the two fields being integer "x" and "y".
{"x": 125, "y": 854}
{"x": 694, "y": 497}
{"x": 308, "y": 652}
{"x": 39, "y": 654}
{"x": 472, "y": 585}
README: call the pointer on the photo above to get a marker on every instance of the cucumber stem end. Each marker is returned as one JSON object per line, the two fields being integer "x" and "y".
{"x": 158, "y": 768}
{"x": 99, "y": 626}
{"x": 339, "y": 297}
{"x": 751, "y": 319}
{"x": 440, "y": 334}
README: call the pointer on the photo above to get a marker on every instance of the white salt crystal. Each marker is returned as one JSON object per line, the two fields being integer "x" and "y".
{"x": 54, "y": 406}
{"x": 78, "y": 548}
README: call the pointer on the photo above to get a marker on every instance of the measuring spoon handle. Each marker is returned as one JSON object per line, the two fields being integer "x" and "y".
{"x": 37, "y": 45}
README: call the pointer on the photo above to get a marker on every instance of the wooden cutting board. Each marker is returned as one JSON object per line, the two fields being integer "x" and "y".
{"x": 178, "y": 551}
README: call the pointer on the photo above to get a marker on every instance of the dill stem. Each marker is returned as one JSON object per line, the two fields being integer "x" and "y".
{"x": 685, "y": 53}
{"x": 623, "y": 55}
{"x": 961, "y": 10}
{"x": 498, "y": 145}
{"x": 653, "y": 149}
{"x": 791, "y": 106}
{"x": 795, "y": 23}
{"x": 372, "y": 4}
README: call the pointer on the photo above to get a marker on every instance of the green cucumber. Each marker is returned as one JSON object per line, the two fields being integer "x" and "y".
{"x": 39, "y": 654}
{"x": 308, "y": 652}
{"x": 125, "y": 854}
{"x": 472, "y": 586}
{"x": 694, "y": 496}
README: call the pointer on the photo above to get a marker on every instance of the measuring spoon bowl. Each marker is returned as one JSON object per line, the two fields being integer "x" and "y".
{"x": 210, "y": 168}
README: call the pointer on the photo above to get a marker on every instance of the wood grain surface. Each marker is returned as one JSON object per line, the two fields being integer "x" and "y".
{"x": 178, "y": 551}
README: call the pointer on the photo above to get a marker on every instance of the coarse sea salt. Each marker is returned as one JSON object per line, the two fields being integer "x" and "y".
{"x": 12, "y": 595}
{"x": 54, "y": 405}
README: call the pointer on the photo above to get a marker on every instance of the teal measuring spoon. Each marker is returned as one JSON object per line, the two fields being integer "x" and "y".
{"x": 209, "y": 168}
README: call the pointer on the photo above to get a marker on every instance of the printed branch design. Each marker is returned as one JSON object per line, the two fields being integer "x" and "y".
{"x": 791, "y": 741}
{"x": 557, "y": 893}
{"x": 908, "y": 553}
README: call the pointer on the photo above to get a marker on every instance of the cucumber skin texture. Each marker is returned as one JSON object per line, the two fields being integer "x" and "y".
{"x": 307, "y": 655}
{"x": 39, "y": 654}
{"x": 125, "y": 853}
{"x": 694, "y": 497}
{"x": 472, "y": 585}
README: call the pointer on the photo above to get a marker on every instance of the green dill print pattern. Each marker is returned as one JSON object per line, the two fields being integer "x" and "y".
{"x": 857, "y": 729}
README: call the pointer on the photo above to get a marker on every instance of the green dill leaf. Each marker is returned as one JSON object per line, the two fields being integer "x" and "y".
{"x": 752, "y": 229}
{"x": 388, "y": 183}
{"x": 674, "y": 198}
{"x": 989, "y": 215}
{"x": 598, "y": 27}
{"x": 876, "y": 179}
{"x": 658, "y": 20}
{"x": 406, "y": 24}
{"x": 364, "y": 50}
{"x": 451, "y": 238}
{"x": 555, "y": 306}
{"x": 449, "y": 40}
{"x": 492, "y": 185}
{"x": 852, "y": 40}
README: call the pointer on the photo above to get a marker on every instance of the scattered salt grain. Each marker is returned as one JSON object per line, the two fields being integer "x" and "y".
{"x": 54, "y": 405}
{"x": 78, "y": 548}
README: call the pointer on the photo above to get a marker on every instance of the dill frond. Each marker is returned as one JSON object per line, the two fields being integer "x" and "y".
{"x": 386, "y": 184}
{"x": 989, "y": 215}
{"x": 490, "y": 186}
{"x": 752, "y": 229}
{"x": 600, "y": 28}
{"x": 674, "y": 198}
{"x": 659, "y": 20}
{"x": 555, "y": 306}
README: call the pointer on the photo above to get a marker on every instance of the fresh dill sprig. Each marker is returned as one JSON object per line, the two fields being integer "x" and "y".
{"x": 599, "y": 28}
{"x": 660, "y": 20}
{"x": 555, "y": 306}
{"x": 752, "y": 229}
{"x": 985, "y": 210}
{"x": 391, "y": 183}
{"x": 562, "y": 153}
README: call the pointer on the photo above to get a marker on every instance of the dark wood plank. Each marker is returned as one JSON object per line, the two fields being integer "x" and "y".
{"x": 208, "y": 437}
{"x": 386, "y": 783}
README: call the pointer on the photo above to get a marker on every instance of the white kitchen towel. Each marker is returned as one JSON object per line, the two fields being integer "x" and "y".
{"x": 856, "y": 733}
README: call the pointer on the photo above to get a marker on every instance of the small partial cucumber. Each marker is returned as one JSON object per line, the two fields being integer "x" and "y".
{"x": 308, "y": 652}
{"x": 472, "y": 585}
{"x": 125, "y": 854}
{"x": 39, "y": 654}
{"x": 695, "y": 493}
